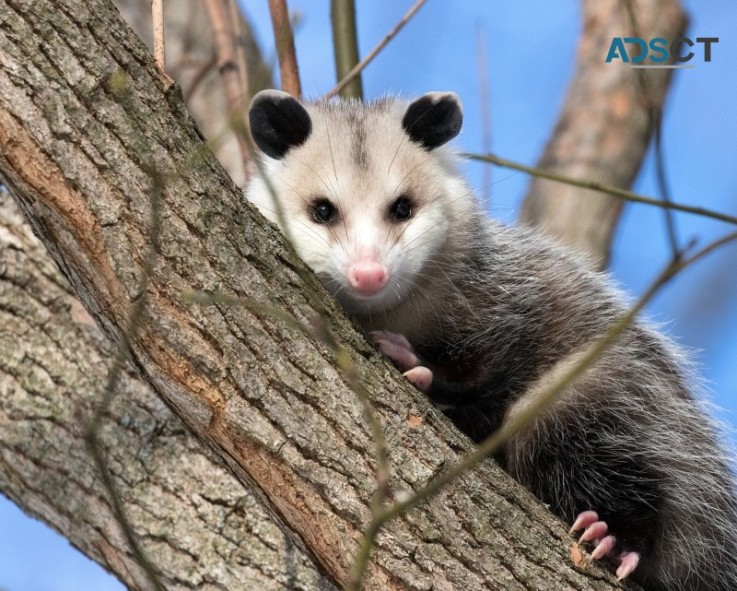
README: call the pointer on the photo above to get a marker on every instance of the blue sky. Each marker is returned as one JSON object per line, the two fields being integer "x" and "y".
{"x": 530, "y": 52}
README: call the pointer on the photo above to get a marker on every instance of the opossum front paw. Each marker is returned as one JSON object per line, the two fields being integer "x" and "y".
{"x": 397, "y": 348}
{"x": 598, "y": 532}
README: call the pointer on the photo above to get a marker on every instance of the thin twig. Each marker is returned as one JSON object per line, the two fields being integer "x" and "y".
{"x": 284, "y": 37}
{"x": 494, "y": 442}
{"x": 485, "y": 96}
{"x": 602, "y": 188}
{"x": 225, "y": 36}
{"x": 199, "y": 76}
{"x": 375, "y": 51}
{"x": 345, "y": 45}
{"x": 655, "y": 122}
{"x": 157, "y": 11}
{"x": 662, "y": 178}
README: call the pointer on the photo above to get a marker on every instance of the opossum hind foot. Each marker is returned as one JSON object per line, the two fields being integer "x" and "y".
{"x": 597, "y": 532}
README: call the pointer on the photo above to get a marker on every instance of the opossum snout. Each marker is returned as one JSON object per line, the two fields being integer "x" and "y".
{"x": 367, "y": 277}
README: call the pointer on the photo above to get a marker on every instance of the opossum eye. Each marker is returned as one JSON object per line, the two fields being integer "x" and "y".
{"x": 401, "y": 209}
{"x": 323, "y": 212}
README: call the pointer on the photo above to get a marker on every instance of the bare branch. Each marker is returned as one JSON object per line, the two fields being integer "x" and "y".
{"x": 602, "y": 188}
{"x": 157, "y": 10}
{"x": 240, "y": 42}
{"x": 485, "y": 98}
{"x": 223, "y": 26}
{"x": 192, "y": 57}
{"x": 375, "y": 51}
{"x": 655, "y": 115}
{"x": 345, "y": 45}
{"x": 284, "y": 37}
{"x": 199, "y": 77}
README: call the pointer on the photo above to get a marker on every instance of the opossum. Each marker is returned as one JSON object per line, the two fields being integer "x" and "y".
{"x": 481, "y": 316}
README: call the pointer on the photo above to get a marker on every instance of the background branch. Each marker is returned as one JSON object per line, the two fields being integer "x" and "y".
{"x": 355, "y": 71}
{"x": 233, "y": 77}
{"x": 157, "y": 16}
{"x": 593, "y": 186}
{"x": 345, "y": 49}
{"x": 284, "y": 36}
{"x": 603, "y": 130}
{"x": 191, "y": 57}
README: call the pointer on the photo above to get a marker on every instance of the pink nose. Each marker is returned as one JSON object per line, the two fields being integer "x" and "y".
{"x": 367, "y": 277}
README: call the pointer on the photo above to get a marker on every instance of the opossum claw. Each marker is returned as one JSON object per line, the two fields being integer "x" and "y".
{"x": 595, "y": 531}
{"x": 629, "y": 563}
{"x": 604, "y": 547}
{"x": 584, "y": 520}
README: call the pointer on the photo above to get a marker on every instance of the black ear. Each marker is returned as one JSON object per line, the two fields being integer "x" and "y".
{"x": 278, "y": 122}
{"x": 434, "y": 119}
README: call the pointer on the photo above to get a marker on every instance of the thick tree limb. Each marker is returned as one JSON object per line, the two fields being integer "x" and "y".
{"x": 204, "y": 529}
{"x": 198, "y": 551}
{"x": 87, "y": 129}
{"x": 604, "y": 128}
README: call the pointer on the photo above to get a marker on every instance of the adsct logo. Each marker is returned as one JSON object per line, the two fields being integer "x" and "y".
{"x": 659, "y": 52}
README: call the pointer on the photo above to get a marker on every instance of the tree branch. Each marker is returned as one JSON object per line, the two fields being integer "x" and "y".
{"x": 593, "y": 186}
{"x": 604, "y": 127}
{"x": 191, "y": 58}
{"x": 345, "y": 48}
{"x": 356, "y": 70}
{"x": 204, "y": 529}
{"x": 157, "y": 16}
{"x": 232, "y": 75}
{"x": 285, "y": 49}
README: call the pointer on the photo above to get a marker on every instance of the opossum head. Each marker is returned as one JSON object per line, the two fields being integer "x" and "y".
{"x": 366, "y": 192}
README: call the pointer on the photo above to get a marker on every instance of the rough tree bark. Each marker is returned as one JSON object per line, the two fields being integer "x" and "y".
{"x": 205, "y": 530}
{"x": 88, "y": 131}
{"x": 604, "y": 128}
{"x": 53, "y": 356}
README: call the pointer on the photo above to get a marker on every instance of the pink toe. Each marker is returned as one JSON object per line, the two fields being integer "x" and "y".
{"x": 584, "y": 520}
{"x": 629, "y": 563}
{"x": 595, "y": 531}
{"x": 421, "y": 377}
{"x": 403, "y": 357}
{"x": 604, "y": 547}
{"x": 397, "y": 339}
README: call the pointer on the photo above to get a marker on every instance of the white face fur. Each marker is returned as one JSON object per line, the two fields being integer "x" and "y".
{"x": 366, "y": 205}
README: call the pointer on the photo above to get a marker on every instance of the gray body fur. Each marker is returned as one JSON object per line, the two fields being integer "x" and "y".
{"x": 493, "y": 310}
